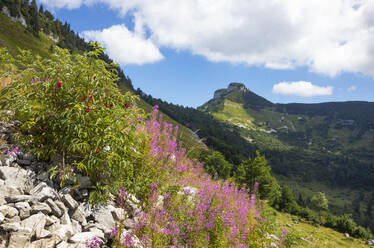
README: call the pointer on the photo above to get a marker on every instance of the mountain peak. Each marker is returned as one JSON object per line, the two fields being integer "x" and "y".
{"x": 232, "y": 86}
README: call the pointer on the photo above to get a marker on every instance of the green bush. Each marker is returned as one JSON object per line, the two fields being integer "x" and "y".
{"x": 72, "y": 111}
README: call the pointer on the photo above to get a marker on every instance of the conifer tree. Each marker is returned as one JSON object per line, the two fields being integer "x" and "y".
{"x": 257, "y": 170}
{"x": 25, "y": 10}
{"x": 34, "y": 18}
{"x": 41, "y": 9}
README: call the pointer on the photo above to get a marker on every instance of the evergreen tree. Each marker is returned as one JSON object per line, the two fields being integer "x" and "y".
{"x": 255, "y": 170}
{"x": 49, "y": 15}
{"x": 14, "y": 7}
{"x": 34, "y": 18}
{"x": 319, "y": 201}
{"x": 41, "y": 9}
{"x": 216, "y": 163}
{"x": 287, "y": 201}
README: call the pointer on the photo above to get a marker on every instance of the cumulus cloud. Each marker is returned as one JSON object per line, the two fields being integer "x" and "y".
{"x": 124, "y": 46}
{"x": 352, "y": 88}
{"x": 328, "y": 37}
{"x": 301, "y": 88}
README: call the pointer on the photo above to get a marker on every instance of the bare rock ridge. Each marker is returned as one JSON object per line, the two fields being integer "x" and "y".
{"x": 232, "y": 86}
{"x": 36, "y": 212}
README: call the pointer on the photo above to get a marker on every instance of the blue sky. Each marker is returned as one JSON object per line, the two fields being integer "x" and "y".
{"x": 182, "y": 51}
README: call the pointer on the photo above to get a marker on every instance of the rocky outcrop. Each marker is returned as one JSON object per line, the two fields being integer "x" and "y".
{"x": 19, "y": 19}
{"x": 36, "y": 212}
{"x": 232, "y": 86}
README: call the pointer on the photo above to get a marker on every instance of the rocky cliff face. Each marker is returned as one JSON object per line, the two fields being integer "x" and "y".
{"x": 36, "y": 212}
{"x": 232, "y": 86}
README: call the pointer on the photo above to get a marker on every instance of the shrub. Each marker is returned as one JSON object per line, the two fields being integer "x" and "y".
{"x": 71, "y": 109}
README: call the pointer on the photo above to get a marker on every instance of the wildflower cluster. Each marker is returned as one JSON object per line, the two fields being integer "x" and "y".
{"x": 186, "y": 207}
{"x": 94, "y": 243}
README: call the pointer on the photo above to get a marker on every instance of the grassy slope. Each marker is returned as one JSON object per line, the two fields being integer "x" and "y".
{"x": 317, "y": 236}
{"x": 13, "y": 36}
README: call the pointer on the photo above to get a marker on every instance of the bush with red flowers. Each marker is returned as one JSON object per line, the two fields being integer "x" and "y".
{"x": 62, "y": 103}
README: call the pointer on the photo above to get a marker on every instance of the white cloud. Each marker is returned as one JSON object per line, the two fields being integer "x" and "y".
{"x": 301, "y": 88}
{"x": 328, "y": 37}
{"x": 352, "y": 88}
{"x": 124, "y": 46}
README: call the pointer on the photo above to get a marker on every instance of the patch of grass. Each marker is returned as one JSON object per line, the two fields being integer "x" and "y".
{"x": 317, "y": 236}
{"x": 13, "y": 36}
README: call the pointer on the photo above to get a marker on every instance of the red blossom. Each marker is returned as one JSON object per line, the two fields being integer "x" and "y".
{"x": 59, "y": 84}
{"x": 97, "y": 150}
{"x": 94, "y": 77}
{"x": 87, "y": 110}
{"x": 111, "y": 105}
{"x": 127, "y": 106}
{"x": 106, "y": 105}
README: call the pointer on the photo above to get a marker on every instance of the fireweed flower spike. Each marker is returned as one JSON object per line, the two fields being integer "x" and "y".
{"x": 202, "y": 209}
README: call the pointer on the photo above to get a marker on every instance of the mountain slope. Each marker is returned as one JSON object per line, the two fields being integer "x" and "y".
{"x": 327, "y": 145}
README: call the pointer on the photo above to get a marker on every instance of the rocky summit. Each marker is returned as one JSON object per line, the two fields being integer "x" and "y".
{"x": 36, "y": 212}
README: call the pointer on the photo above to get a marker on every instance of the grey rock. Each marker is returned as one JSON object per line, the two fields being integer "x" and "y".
{"x": 84, "y": 181}
{"x": 19, "y": 198}
{"x": 42, "y": 192}
{"x": 2, "y": 200}
{"x": 65, "y": 190}
{"x": 70, "y": 202}
{"x": 45, "y": 234}
{"x": 28, "y": 156}
{"x": 7, "y": 188}
{"x": 63, "y": 244}
{"x": 305, "y": 240}
{"x": 24, "y": 209}
{"x": 125, "y": 235}
{"x": 55, "y": 209}
{"x": 77, "y": 228}
{"x": 19, "y": 239}
{"x": 129, "y": 223}
{"x": 43, "y": 176}
{"x": 43, "y": 243}
{"x": 8, "y": 211}
{"x": 87, "y": 208}
{"x": 79, "y": 215}
{"x": 52, "y": 228}
{"x": 103, "y": 215}
{"x": 65, "y": 219}
{"x": 14, "y": 219}
{"x": 41, "y": 207}
{"x": 98, "y": 233}
{"x": 2, "y": 218}
{"x": 23, "y": 162}
{"x": 50, "y": 220}
{"x": 119, "y": 214}
{"x": 61, "y": 206}
{"x": 63, "y": 233}
{"x": 11, "y": 227}
{"x": 346, "y": 235}
{"x": 7, "y": 162}
{"x": 18, "y": 176}
{"x": 82, "y": 237}
{"x": 36, "y": 223}
{"x": 370, "y": 242}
